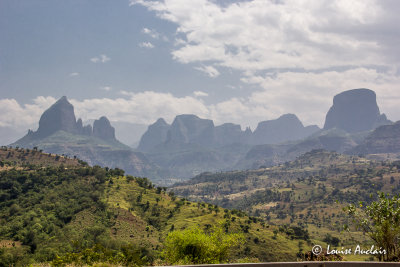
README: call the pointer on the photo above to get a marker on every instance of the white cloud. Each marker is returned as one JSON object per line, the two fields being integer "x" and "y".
{"x": 15, "y": 115}
{"x": 74, "y": 74}
{"x": 257, "y": 35}
{"x": 144, "y": 107}
{"x": 106, "y": 88}
{"x": 279, "y": 94}
{"x": 209, "y": 70}
{"x": 152, "y": 33}
{"x": 200, "y": 93}
{"x": 309, "y": 95}
{"x": 277, "y": 36}
{"x": 298, "y": 53}
{"x": 146, "y": 45}
{"x": 100, "y": 59}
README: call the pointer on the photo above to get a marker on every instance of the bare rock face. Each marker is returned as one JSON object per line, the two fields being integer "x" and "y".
{"x": 79, "y": 124}
{"x": 102, "y": 128}
{"x": 60, "y": 116}
{"x": 355, "y": 111}
{"x": 156, "y": 134}
{"x": 187, "y": 129}
{"x": 286, "y": 128}
{"x": 229, "y": 133}
{"x": 87, "y": 130}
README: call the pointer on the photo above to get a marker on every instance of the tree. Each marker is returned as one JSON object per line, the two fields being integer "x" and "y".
{"x": 194, "y": 246}
{"x": 381, "y": 222}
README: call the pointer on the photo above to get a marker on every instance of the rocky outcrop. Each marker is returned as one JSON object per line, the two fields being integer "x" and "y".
{"x": 87, "y": 130}
{"x": 384, "y": 139}
{"x": 190, "y": 129}
{"x": 156, "y": 134}
{"x": 60, "y": 116}
{"x": 102, "y": 129}
{"x": 79, "y": 124}
{"x": 60, "y": 133}
{"x": 229, "y": 133}
{"x": 286, "y": 128}
{"x": 355, "y": 111}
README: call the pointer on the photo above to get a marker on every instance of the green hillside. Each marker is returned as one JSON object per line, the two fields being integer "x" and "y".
{"x": 93, "y": 150}
{"x": 309, "y": 192}
{"x": 23, "y": 157}
{"x": 70, "y": 212}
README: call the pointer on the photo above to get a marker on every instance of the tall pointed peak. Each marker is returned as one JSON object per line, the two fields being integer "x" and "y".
{"x": 102, "y": 128}
{"x": 60, "y": 116}
{"x": 161, "y": 121}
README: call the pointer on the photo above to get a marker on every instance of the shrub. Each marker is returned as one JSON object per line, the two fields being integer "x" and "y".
{"x": 194, "y": 246}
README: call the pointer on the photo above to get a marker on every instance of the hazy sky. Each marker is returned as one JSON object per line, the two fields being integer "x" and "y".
{"x": 230, "y": 61}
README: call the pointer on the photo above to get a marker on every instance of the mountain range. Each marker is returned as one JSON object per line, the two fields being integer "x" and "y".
{"x": 60, "y": 133}
{"x": 190, "y": 145}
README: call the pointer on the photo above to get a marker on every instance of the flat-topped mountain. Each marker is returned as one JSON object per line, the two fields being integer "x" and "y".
{"x": 230, "y": 133}
{"x": 190, "y": 129}
{"x": 191, "y": 145}
{"x": 355, "y": 111}
{"x": 286, "y": 128}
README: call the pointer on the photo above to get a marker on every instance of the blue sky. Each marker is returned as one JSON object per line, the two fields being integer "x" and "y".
{"x": 230, "y": 61}
{"x": 46, "y": 42}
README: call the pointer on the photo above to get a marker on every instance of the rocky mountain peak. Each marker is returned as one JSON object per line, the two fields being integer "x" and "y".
{"x": 229, "y": 133}
{"x": 160, "y": 122}
{"x": 102, "y": 128}
{"x": 355, "y": 110}
{"x": 285, "y": 128}
{"x": 188, "y": 128}
{"x": 156, "y": 134}
{"x": 60, "y": 116}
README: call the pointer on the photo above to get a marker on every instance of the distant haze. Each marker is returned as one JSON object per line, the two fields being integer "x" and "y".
{"x": 135, "y": 61}
{"x": 127, "y": 133}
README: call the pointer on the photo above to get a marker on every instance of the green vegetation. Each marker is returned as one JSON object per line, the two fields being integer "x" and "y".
{"x": 381, "y": 221}
{"x": 71, "y": 213}
{"x": 10, "y": 158}
{"x": 94, "y": 150}
{"x": 309, "y": 193}
{"x": 62, "y": 211}
{"x": 195, "y": 246}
